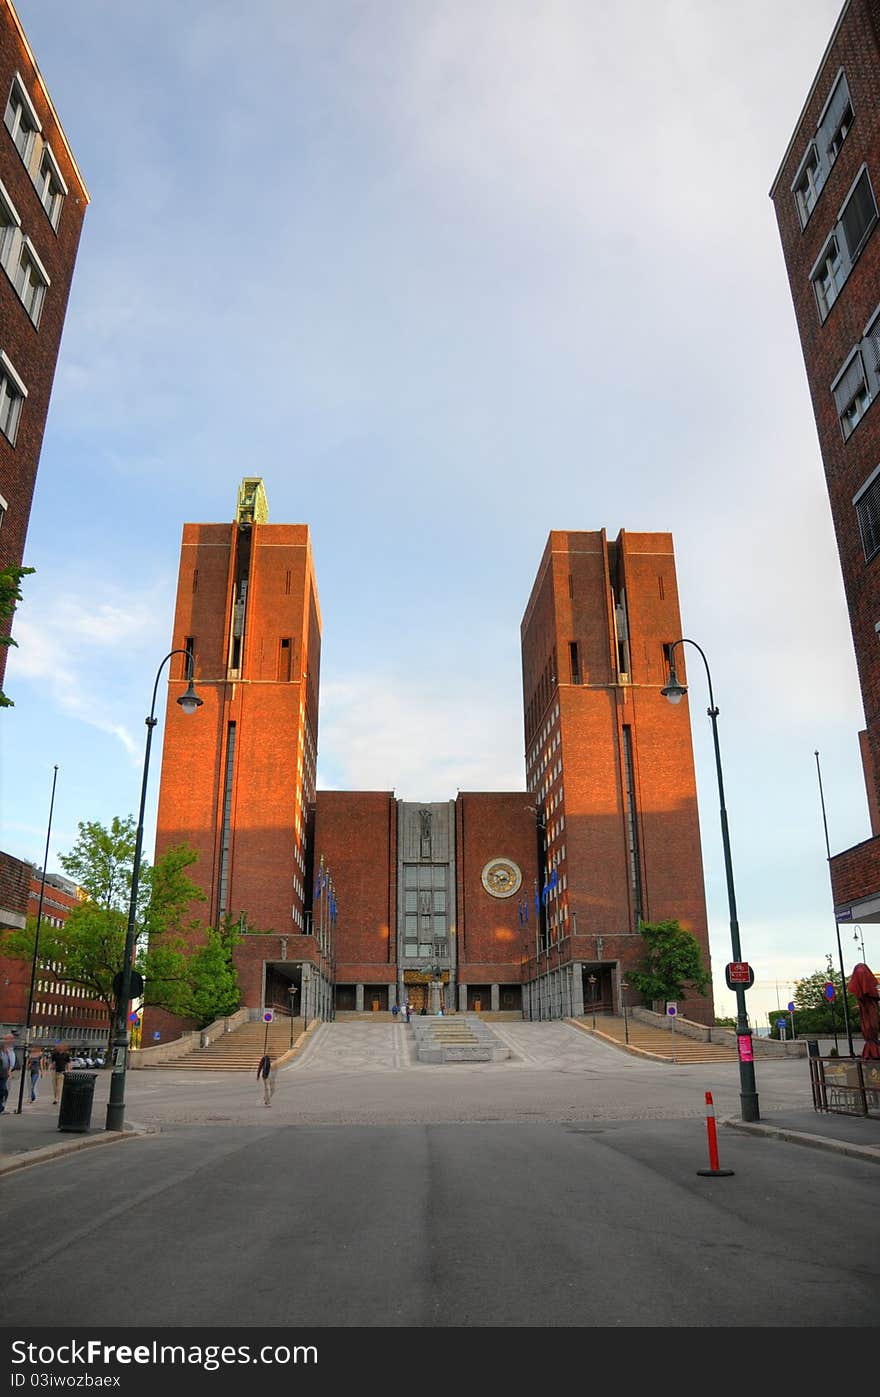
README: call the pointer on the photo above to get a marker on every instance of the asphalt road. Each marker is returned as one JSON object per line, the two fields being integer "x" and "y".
{"x": 559, "y": 1190}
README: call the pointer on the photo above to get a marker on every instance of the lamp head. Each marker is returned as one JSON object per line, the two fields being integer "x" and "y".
{"x": 190, "y": 701}
{"x": 674, "y": 691}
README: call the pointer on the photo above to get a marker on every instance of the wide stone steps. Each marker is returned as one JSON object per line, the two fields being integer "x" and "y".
{"x": 659, "y": 1042}
{"x": 239, "y": 1051}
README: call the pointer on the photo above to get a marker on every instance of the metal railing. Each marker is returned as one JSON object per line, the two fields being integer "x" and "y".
{"x": 846, "y": 1086}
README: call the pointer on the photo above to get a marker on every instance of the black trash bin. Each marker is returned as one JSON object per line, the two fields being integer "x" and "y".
{"x": 76, "y": 1100}
{"x": 812, "y": 1047}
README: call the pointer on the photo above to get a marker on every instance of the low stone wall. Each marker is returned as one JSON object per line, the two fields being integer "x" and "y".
{"x": 761, "y": 1047}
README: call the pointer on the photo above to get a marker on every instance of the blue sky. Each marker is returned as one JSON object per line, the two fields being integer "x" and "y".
{"x": 447, "y": 276}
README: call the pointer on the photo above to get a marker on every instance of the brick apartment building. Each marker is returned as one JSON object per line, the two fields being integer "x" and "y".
{"x": 60, "y": 1011}
{"x": 42, "y": 203}
{"x": 525, "y": 901}
{"x": 826, "y": 200}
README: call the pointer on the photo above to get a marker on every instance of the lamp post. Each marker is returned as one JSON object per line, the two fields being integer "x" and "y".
{"x": 592, "y": 983}
{"x": 26, "y": 1055}
{"x": 623, "y": 988}
{"x": 748, "y": 1089}
{"x": 849, "y": 1037}
{"x": 189, "y": 702}
{"x": 859, "y": 936}
{"x": 292, "y": 992}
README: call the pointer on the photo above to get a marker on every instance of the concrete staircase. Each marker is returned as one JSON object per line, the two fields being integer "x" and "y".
{"x": 457, "y": 1038}
{"x": 238, "y": 1051}
{"x": 644, "y": 1040}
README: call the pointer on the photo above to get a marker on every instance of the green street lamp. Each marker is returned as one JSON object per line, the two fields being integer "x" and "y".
{"x": 675, "y": 692}
{"x": 189, "y": 702}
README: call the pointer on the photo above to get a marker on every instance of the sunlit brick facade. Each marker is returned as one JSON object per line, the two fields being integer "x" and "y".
{"x": 525, "y": 902}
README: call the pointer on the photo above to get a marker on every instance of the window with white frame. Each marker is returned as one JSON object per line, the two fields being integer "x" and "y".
{"x": 858, "y": 215}
{"x": 50, "y": 186}
{"x": 828, "y": 276}
{"x": 856, "y": 220}
{"x": 858, "y": 382}
{"x": 3, "y": 508}
{"x": 836, "y": 119}
{"x": 12, "y": 395}
{"x": 21, "y": 119}
{"x": 867, "y": 507}
{"x": 9, "y": 225}
{"x": 30, "y": 280}
{"x": 807, "y": 183}
{"x": 851, "y": 393}
{"x": 831, "y": 131}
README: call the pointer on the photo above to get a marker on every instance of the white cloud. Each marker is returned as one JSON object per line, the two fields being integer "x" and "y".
{"x": 381, "y": 733}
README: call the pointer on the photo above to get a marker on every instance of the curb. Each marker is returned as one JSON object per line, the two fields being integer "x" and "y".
{"x": 870, "y": 1154}
{"x": 25, "y": 1158}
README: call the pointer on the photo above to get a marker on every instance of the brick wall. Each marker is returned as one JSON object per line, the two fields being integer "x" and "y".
{"x": 826, "y": 344}
{"x": 33, "y": 352}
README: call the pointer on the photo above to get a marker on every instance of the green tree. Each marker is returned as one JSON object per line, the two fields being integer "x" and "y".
{"x": 813, "y": 1012}
{"x": 673, "y": 962}
{"x": 213, "y": 978}
{"x": 10, "y": 596}
{"x": 90, "y": 947}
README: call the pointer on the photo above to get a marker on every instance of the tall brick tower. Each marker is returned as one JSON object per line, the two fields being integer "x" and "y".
{"x": 609, "y": 765}
{"x": 238, "y": 777}
{"x": 826, "y": 197}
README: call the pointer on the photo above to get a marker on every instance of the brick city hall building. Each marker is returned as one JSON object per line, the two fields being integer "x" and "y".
{"x": 526, "y": 901}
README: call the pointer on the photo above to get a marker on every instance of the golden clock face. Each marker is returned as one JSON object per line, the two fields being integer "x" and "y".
{"x": 501, "y": 877}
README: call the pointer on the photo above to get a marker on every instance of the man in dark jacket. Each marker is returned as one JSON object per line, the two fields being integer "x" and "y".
{"x": 60, "y": 1063}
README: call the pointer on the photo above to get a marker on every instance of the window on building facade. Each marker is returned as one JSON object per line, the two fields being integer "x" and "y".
{"x": 21, "y": 119}
{"x": 867, "y": 507}
{"x": 858, "y": 217}
{"x": 3, "y": 508}
{"x": 30, "y": 280}
{"x": 12, "y": 396}
{"x": 851, "y": 394}
{"x": 574, "y": 662}
{"x": 835, "y": 121}
{"x": 823, "y": 149}
{"x": 50, "y": 186}
{"x": 9, "y": 225}
{"x": 828, "y": 276}
{"x": 807, "y": 183}
{"x": 858, "y": 382}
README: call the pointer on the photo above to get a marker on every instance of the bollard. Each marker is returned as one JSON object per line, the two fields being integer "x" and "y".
{"x": 713, "y": 1171}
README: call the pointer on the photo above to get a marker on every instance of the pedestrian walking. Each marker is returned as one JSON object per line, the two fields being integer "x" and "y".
{"x": 7, "y": 1067}
{"x": 35, "y": 1070}
{"x": 60, "y": 1064}
{"x": 266, "y": 1075}
{"x": 395, "y": 1011}
{"x": 409, "y": 1012}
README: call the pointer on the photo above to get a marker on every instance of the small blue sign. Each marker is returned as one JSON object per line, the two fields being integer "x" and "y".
{"x": 780, "y": 1023}
{"x": 791, "y": 1008}
{"x": 156, "y": 1033}
{"x": 829, "y": 990}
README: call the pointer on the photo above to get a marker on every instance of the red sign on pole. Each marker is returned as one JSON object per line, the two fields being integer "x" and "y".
{"x": 739, "y": 972}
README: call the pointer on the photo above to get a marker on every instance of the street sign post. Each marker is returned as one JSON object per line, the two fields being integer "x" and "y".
{"x": 672, "y": 1010}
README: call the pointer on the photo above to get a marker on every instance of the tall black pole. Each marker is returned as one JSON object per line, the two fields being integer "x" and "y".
{"x": 25, "y": 1061}
{"x": 748, "y": 1090}
{"x": 116, "y": 1101}
{"x": 849, "y": 1037}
